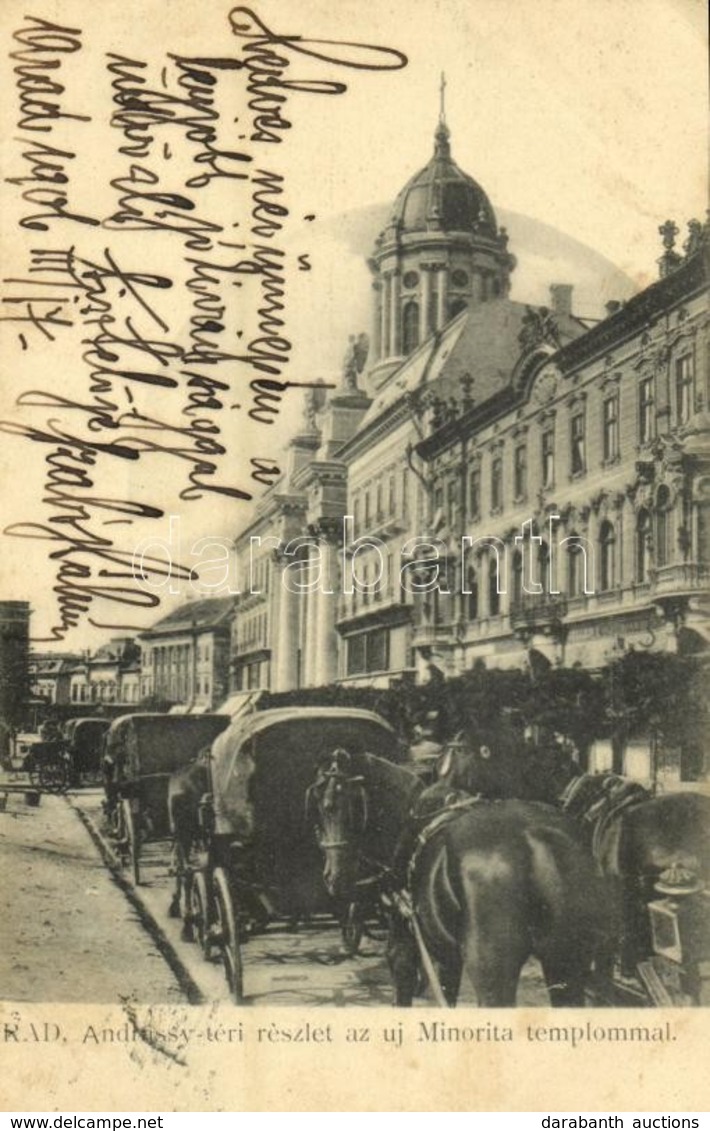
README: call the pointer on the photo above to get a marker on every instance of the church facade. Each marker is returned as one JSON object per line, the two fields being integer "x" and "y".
{"x": 490, "y": 481}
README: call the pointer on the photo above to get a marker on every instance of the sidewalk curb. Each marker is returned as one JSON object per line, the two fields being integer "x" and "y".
{"x": 146, "y": 918}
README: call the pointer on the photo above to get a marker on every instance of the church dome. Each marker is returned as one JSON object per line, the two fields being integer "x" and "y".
{"x": 441, "y": 197}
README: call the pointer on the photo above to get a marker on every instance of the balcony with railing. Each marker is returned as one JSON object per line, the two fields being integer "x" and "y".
{"x": 680, "y": 579}
{"x": 543, "y": 612}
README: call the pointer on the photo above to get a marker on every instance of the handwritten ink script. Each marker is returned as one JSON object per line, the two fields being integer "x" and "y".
{"x": 153, "y": 293}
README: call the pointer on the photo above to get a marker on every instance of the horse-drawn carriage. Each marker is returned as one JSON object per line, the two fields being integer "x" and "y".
{"x": 84, "y": 739}
{"x": 245, "y": 803}
{"x": 48, "y": 765}
{"x": 140, "y": 753}
{"x": 605, "y": 888}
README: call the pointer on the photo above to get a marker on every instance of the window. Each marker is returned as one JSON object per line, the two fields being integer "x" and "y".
{"x": 543, "y": 567}
{"x": 392, "y": 498}
{"x": 497, "y": 483}
{"x": 548, "y": 458}
{"x": 438, "y": 500}
{"x": 520, "y": 472}
{"x": 610, "y": 422}
{"x": 493, "y": 594}
{"x": 474, "y": 494}
{"x": 684, "y": 388}
{"x": 367, "y": 510}
{"x": 411, "y": 326}
{"x": 472, "y": 586}
{"x": 368, "y": 651}
{"x": 411, "y": 278}
{"x": 456, "y": 307}
{"x": 452, "y": 505}
{"x": 378, "y": 502}
{"x": 356, "y": 515}
{"x": 663, "y": 526}
{"x": 405, "y": 483}
{"x": 517, "y": 578}
{"x": 576, "y": 566}
{"x": 643, "y": 538}
{"x": 606, "y": 556}
{"x": 578, "y": 459}
{"x": 459, "y": 278}
{"x": 646, "y": 419}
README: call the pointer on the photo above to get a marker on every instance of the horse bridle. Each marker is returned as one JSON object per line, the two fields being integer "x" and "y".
{"x": 325, "y": 777}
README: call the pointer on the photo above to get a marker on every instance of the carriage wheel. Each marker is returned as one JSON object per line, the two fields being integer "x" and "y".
{"x": 132, "y": 836}
{"x": 228, "y": 935}
{"x": 52, "y": 776}
{"x": 351, "y": 927}
{"x": 199, "y": 913}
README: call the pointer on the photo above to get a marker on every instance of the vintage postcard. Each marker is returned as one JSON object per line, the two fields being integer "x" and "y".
{"x": 355, "y": 556}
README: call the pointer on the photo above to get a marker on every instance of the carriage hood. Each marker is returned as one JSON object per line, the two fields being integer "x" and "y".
{"x": 159, "y": 744}
{"x": 262, "y": 766}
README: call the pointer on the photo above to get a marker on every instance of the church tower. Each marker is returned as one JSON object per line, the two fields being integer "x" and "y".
{"x": 441, "y": 251}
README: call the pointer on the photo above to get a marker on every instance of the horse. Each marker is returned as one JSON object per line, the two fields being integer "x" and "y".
{"x": 635, "y": 837}
{"x": 478, "y": 763}
{"x": 186, "y": 789}
{"x": 481, "y": 888}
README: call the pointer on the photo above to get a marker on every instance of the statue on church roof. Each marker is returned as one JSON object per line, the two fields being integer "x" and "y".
{"x": 355, "y": 360}
{"x": 539, "y": 328}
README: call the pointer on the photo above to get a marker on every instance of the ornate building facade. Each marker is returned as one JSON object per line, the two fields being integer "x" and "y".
{"x": 496, "y": 481}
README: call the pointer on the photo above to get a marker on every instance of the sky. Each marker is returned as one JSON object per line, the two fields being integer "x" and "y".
{"x": 588, "y": 116}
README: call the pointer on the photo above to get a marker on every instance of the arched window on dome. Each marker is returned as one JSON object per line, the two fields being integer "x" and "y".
{"x": 643, "y": 538}
{"x": 457, "y": 306}
{"x": 410, "y": 327}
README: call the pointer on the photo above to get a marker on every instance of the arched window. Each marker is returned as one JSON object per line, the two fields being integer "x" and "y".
{"x": 517, "y": 580}
{"x": 472, "y": 587}
{"x": 457, "y": 306}
{"x": 643, "y": 538}
{"x": 410, "y": 322}
{"x": 576, "y": 566}
{"x": 493, "y": 594}
{"x": 663, "y": 526}
{"x": 543, "y": 568}
{"x": 607, "y": 540}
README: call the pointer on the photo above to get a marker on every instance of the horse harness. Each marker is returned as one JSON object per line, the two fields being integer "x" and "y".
{"x": 401, "y": 899}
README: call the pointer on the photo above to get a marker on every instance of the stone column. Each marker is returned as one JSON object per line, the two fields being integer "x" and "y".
{"x": 286, "y": 636}
{"x": 377, "y": 321}
{"x": 442, "y": 303}
{"x": 325, "y": 665}
{"x": 311, "y": 621}
{"x": 425, "y": 293}
{"x": 384, "y": 332}
{"x": 395, "y": 315}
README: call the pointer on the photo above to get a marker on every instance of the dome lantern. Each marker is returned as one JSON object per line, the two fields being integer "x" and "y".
{"x": 440, "y": 252}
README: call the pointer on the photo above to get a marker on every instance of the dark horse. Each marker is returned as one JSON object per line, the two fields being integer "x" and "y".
{"x": 481, "y": 888}
{"x": 186, "y": 789}
{"x": 635, "y": 837}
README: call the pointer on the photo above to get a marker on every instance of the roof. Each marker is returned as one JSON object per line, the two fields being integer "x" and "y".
{"x": 212, "y": 612}
{"x": 483, "y": 341}
{"x": 441, "y": 197}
